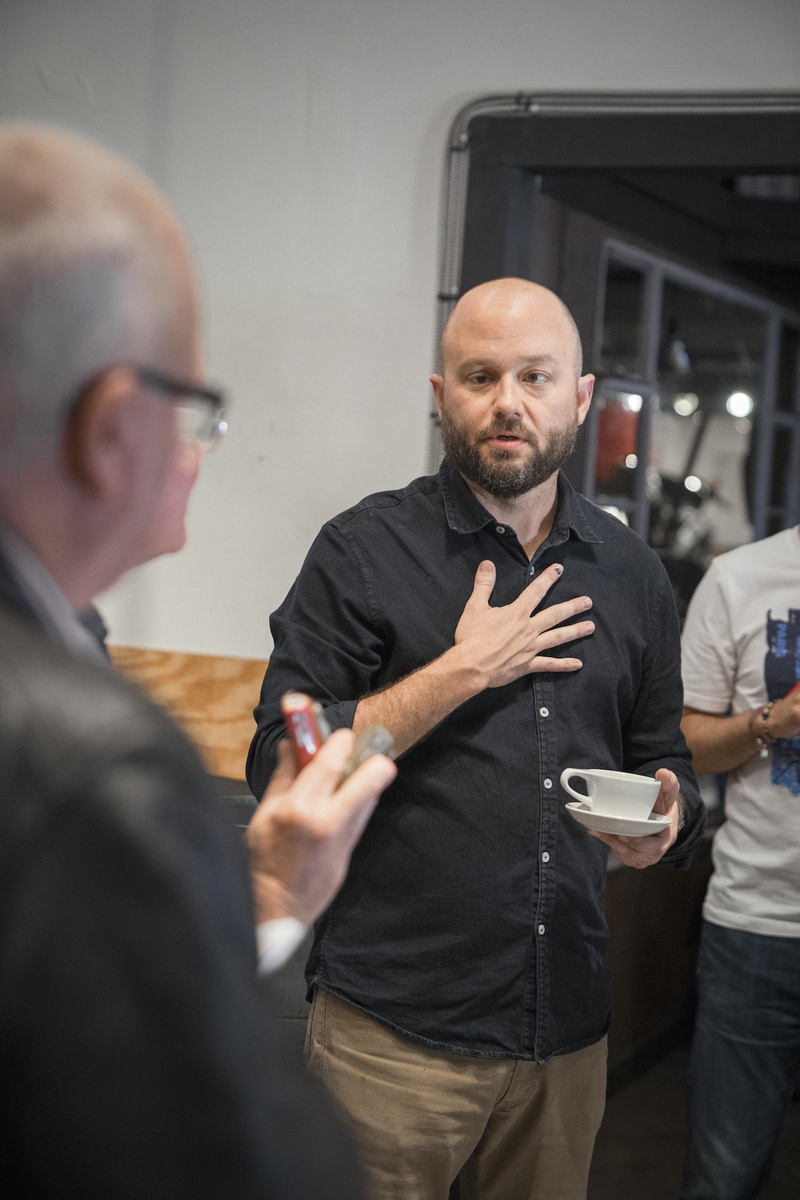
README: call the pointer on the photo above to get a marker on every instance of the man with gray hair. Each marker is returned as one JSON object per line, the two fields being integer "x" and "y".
{"x": 135, "y": 1055}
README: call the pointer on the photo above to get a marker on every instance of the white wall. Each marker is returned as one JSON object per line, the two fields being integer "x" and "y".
{"x": 301, "y": 143}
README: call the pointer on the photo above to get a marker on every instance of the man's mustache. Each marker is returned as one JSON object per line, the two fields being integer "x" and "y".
{"x": 507, "y": 425}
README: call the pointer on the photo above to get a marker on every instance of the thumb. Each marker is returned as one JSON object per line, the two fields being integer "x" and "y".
{"x": 669, "y": 790}
{"x": 484, "y": 583}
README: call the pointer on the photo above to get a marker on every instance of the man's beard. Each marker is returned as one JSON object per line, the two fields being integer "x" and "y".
{"x": 502, "y": 475}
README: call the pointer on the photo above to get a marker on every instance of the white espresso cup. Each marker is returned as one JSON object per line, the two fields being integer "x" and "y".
{"x": 614, "y": 793}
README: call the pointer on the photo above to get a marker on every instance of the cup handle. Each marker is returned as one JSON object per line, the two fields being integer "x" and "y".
{"x": 566, "y": 775}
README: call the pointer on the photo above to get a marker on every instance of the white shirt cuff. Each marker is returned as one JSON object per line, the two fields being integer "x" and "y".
{"x": 276, "y": 942}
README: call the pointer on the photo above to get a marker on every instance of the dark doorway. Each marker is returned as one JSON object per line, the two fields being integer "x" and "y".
{"x": 670, "y": 225}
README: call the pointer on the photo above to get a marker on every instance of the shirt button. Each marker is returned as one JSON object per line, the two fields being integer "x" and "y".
{"x": 548, "y": 783}
{"x": 544, "y": 712}
{"x": 541, "y": 929}
{"x": 545, "y": 857}
{"x": 500, "y": 528}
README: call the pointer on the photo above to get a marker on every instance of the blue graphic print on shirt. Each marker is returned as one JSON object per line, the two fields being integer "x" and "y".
{"x": 782, "y": 672}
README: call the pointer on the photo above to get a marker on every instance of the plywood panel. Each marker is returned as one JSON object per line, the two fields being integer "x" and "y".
{"x": 212, "y": 699}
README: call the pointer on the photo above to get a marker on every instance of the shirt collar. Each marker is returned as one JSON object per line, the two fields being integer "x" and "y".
{"x": 50, "y": 606}
{"x": 466, "y": 514}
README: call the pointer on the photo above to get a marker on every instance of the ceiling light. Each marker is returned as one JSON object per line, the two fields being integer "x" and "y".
{"x": 739, "y": 404}
{"x": 685, "y": 404}
{"x": 692, "y": 483}
{"x": 631, "y": 460}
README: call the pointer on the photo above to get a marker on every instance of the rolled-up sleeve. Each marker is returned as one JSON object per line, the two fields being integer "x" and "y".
{"x": 327, "y": 643}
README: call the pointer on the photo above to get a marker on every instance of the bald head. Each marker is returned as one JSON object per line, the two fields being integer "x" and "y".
{"x": 511, "y": 307}
{"x": 93, "y": 272}
{"x": 511, "y": 396}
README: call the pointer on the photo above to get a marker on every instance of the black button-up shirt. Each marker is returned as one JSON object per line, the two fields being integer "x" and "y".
{"x": 472, "y": 916}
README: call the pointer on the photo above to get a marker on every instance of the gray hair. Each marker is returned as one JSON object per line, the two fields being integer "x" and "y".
{"x": 86, "y": 279}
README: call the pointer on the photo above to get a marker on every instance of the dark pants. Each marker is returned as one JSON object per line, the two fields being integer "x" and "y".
{"x": 745, "y": 1058}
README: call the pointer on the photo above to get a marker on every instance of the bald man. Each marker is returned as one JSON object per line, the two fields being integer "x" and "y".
{"x": 502, "y": 628}
{"x": 136, "y": 1059}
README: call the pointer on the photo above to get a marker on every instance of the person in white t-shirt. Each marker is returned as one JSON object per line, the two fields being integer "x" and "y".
{"x": 741, "y": 669}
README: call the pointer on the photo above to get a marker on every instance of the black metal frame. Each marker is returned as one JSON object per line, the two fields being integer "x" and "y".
{"x": 500, "y": 146}
{"x": 766, "y": 418}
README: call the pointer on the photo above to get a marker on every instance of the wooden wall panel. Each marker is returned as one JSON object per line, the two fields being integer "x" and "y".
{"x": 212, "y": 699}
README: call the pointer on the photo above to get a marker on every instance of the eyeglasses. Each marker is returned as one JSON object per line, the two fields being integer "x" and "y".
{"x": 201, "y": 410}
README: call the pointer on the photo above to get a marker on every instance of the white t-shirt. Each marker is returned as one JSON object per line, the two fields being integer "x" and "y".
{"x": 741, "y": 648}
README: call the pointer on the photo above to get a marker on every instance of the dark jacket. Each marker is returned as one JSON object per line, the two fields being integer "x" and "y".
{"x": 135, "y": 1058}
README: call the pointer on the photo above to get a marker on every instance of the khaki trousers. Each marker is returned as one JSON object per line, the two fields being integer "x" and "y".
{"x": 513, "y": 1130}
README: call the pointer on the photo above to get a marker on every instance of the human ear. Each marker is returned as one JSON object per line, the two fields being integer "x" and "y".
{"x": 585, "y": 389}
{"x": 437, "y": 383}
{"x": 98, "y": 433}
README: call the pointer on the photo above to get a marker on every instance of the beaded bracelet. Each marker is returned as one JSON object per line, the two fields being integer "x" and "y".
{"x": 764, "y": 740}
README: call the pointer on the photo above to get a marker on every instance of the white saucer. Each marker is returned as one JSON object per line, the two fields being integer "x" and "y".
{"x": 627, "y": 826}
